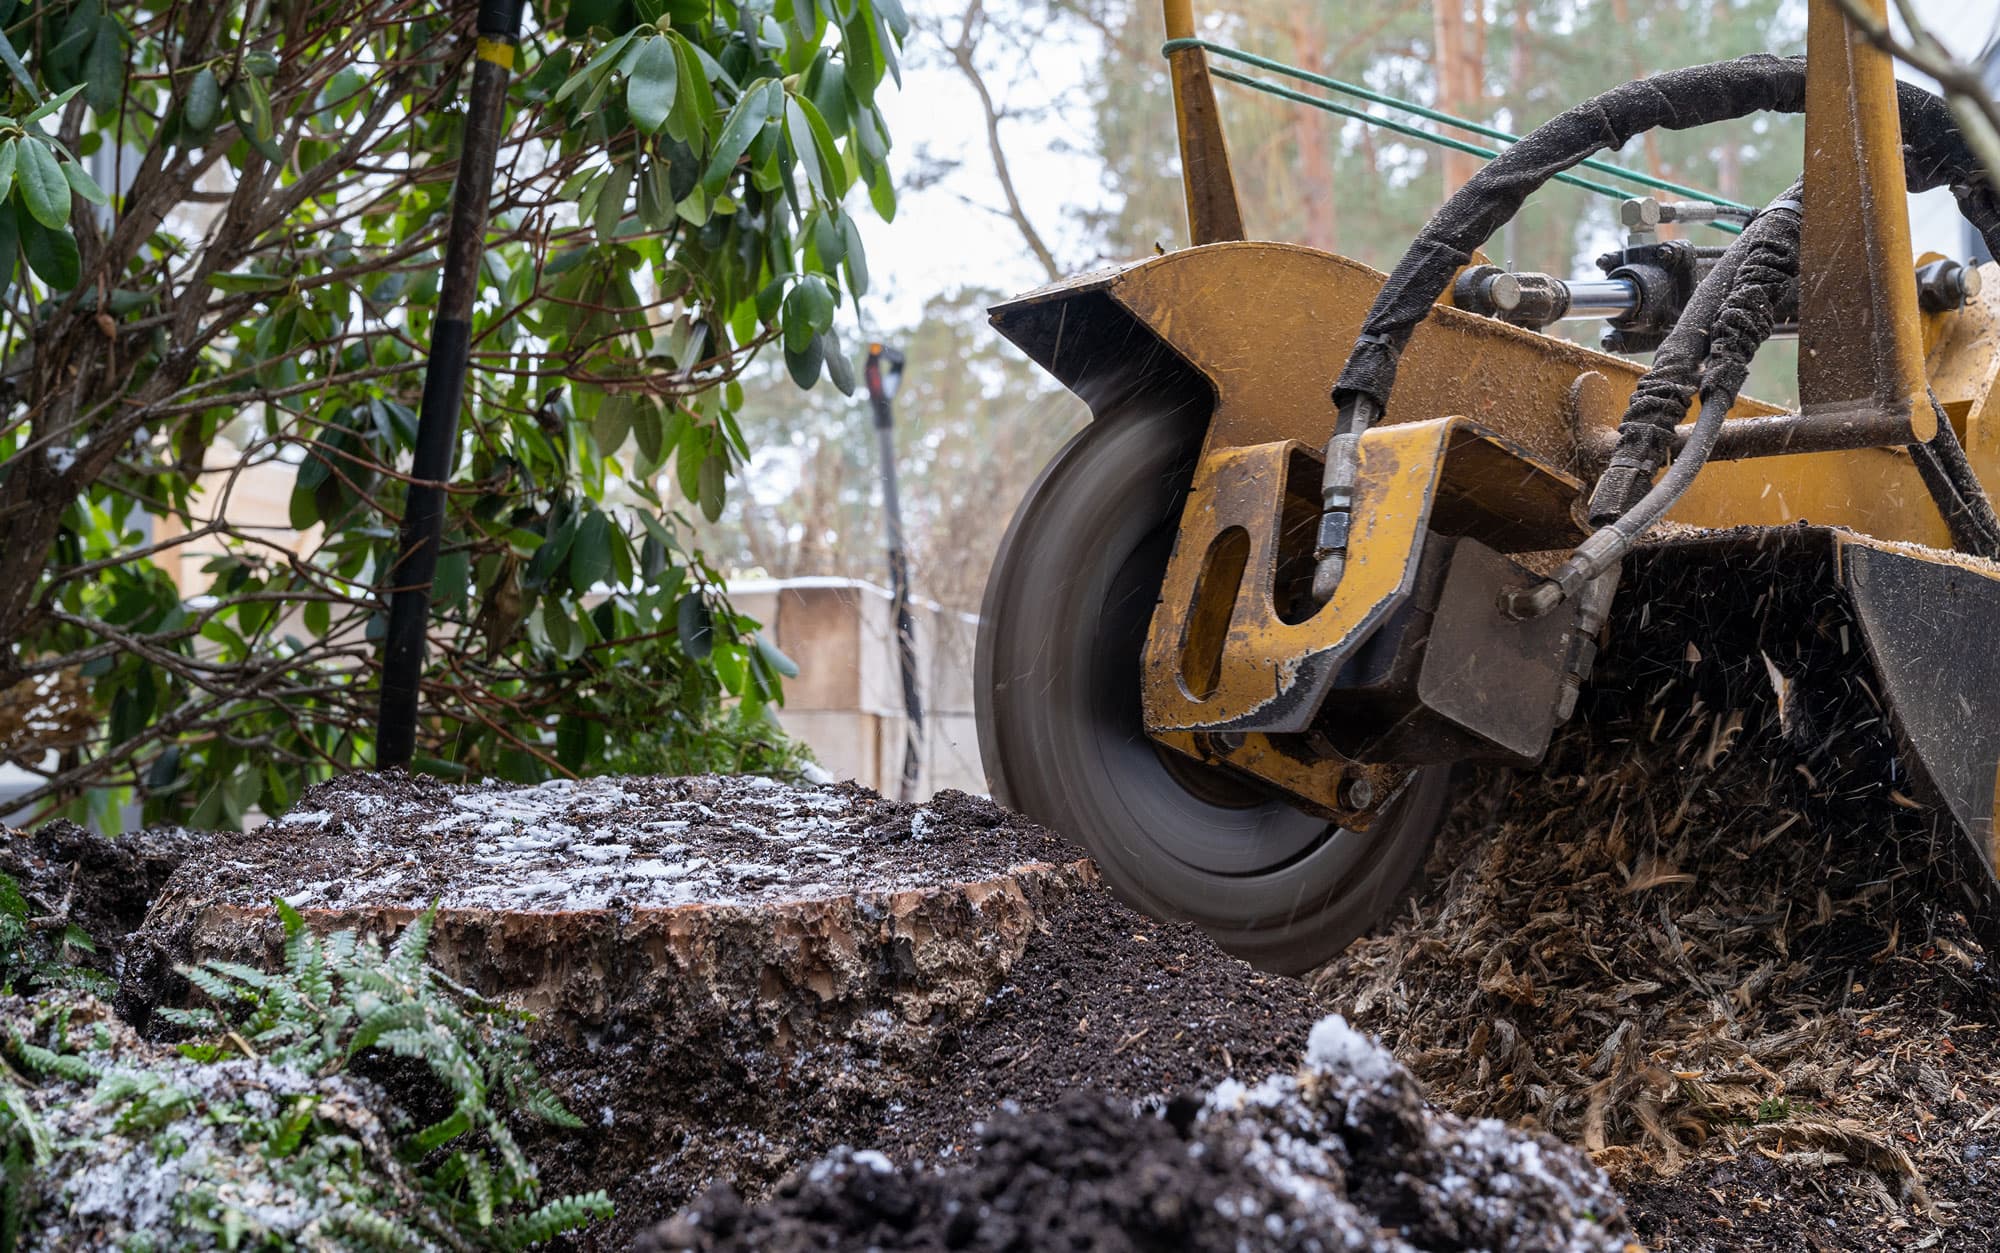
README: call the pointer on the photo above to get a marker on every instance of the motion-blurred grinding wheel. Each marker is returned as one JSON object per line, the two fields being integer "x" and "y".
{"x": 1060, "y": 731}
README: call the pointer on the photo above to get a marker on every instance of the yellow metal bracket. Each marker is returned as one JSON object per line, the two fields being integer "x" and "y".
{"x": 1214, "y": 214}
{"x": 1861, "y": 354}
{"x": 1233, "y": 646}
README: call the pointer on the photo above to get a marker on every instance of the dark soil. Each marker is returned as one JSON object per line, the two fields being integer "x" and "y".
{"x": 1113, "y": 1002}
{"x": 1343, "y": 1155}
{"x": 102, "y": 886}
{"x": 1084, "y": 1174}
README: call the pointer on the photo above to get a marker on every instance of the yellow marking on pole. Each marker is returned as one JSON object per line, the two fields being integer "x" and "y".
{"x": 498, "y": 51}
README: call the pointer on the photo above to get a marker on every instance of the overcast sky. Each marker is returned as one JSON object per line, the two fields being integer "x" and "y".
{"x": 939, "y": 240}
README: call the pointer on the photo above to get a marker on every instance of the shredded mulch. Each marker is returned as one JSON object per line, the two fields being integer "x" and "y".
{"x": 1716, "y": 940}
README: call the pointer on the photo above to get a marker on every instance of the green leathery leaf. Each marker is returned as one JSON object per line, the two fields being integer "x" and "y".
{"x": 775, "y": 658}
{"x": 693, "y": 99}
{"x": 14, "y": 66}
{"x": 104, "y": 67}
{"x": 808, "y": 310}
{"x": 10, "y": 246}
{"x": 799, "y": 132}
{"x": 49, "y": 106}
{"x": 611, "y": 201}
{"x": 745, "y": 122}
{"x": 553, "y": 551}
{"x": 43, "y": 186}
{"x": 601, "y": 63}
{"x": 651, "y": 87}
{"x": 714, "y": 486}
{"x": 696, "y": 626}
{"x": 838, "y": 367}
{"x": 823, "y": 147}
{"x": 882, "y": 195}
{"x": 690, "y": 450}
{"x": 855, "y": 262}
{"x": 650, "y": 427}
{"x": 52, "y": 255}
{"x": 253, "y": 111}
{"x": 8, "y": 155}
{"x": 613, "y": 423}
{"x": 656, "y": 206}
{"x": 83, "y": 184}
{"x": 805, "y": 365}
{"x": 203, "y": 107}
{"x": 452, "y": 581}
{"x": 590, "y": 556}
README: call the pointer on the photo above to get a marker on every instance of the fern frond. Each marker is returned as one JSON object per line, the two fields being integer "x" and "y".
{"x": 409, "y": 1015}
{"x": 406, "y": 956}
{"x": 376, "y": 1230}
{"x": 48, "y": 1062}
{"x": 479, "y": 1186}
{"x": 551, "y": 1220}
{"x": 248, "y": 976}
{"x": 218, "y": 988}
{"x": 201, "y": 1019}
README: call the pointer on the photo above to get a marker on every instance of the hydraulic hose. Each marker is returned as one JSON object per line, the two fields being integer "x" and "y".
{"x": 1765, "y": 261}
{"x": 1934, "y": 154}
{"x": 1954, "y": 486}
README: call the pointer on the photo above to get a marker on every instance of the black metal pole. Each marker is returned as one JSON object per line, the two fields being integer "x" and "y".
{"x": 880, "y": 390}
{"x": 409, "y": 579}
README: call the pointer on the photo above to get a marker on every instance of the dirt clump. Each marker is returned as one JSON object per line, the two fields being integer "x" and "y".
{"x": 1341, "y": 1154}
{"x": 71, "y": 875}
{"x": 1717, "y": 939}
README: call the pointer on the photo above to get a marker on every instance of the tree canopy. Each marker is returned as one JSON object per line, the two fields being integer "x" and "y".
{"x": 220, "y": 241}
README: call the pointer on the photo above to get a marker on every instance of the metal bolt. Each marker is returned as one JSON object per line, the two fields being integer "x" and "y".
{"x": 1503, "y": 292}
{"x": 1358, "y": 792}
{"x": 1946, "y": 285}
{"x": 1641, "y": 213}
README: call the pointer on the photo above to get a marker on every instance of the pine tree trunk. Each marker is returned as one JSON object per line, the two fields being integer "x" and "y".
{"x": 1459, "y": 52}
{"x": 1315, "y": 138}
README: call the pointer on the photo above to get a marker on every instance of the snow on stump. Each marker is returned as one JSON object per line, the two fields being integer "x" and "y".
{"x": 653, "y": 906}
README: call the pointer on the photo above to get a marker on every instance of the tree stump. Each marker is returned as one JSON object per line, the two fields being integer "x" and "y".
{"x": 792, "y": 914}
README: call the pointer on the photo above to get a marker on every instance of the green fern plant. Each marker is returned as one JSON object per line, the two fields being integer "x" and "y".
{"x": 340, "y": 997}
{"x": 299, "y": 1146}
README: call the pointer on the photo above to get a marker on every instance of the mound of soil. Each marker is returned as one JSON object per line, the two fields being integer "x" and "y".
{"x": 1717, "y": 939}
{"x": 1343, "y": 1154}
{"x": 732, "y": 977}
{"x": 71, "y": 875}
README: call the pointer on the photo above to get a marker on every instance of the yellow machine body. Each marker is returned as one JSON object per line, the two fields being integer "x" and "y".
{"x": 1492, "y": 433}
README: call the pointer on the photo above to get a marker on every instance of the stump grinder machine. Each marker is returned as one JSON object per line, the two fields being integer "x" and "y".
{"x": 1331, "y": 534}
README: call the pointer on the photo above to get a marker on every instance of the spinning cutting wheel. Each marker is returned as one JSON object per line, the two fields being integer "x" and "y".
{"x": 1061, "y": 635}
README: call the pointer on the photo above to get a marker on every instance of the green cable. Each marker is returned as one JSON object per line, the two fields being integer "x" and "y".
{"x": 1401, "y": 128}
{"x": 1351, "y": 89}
